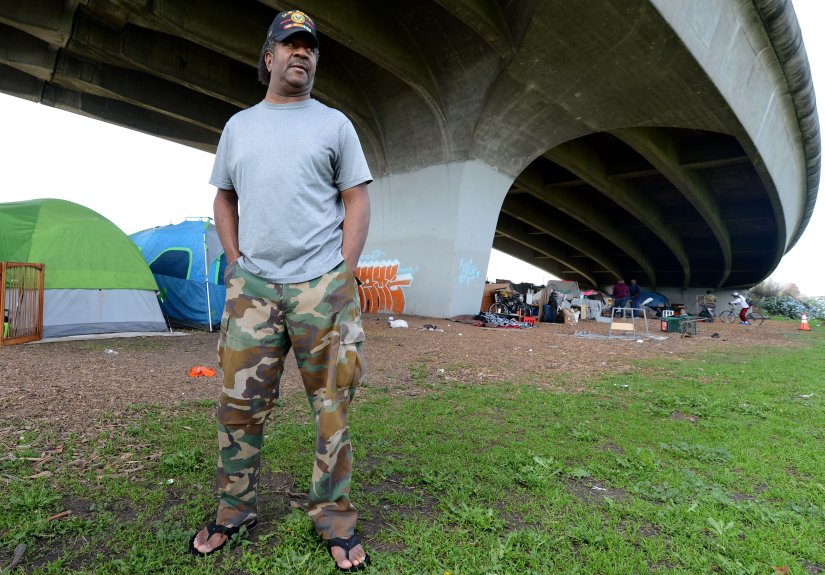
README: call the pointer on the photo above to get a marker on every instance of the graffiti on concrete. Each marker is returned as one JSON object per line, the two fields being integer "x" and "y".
{"x": 467, "y": 272}
{"x": 381, "y": 285}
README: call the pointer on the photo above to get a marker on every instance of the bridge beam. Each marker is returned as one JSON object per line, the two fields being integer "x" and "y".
{"x": 570, "y": 203}
{"x": 530, "y": 256}
{"x": 662, "y": 151}
{"x": 548, "y": 246}
{"x": 587, "y": 165}
{"x": 486, "y": 18}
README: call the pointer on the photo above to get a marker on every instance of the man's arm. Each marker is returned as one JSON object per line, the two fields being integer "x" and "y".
{"x": 356, "y": 223}
{"x": 225, "y": 207}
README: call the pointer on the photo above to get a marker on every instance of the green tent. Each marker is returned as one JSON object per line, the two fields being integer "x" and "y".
{"x": 96, "y": 279}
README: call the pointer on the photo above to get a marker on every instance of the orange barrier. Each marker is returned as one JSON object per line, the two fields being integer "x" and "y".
{"x": 804, "y": 325}
{"x": 21, "y": 301}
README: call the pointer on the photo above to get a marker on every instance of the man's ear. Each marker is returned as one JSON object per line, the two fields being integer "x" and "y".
{"x": 268, "y": 61}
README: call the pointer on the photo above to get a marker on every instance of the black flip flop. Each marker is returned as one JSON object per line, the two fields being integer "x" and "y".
{"x": 347, "y": 545}
{"x": 211, "y": 529}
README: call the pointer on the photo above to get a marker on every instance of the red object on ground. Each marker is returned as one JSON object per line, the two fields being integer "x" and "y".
{"x": 199, "y": 370}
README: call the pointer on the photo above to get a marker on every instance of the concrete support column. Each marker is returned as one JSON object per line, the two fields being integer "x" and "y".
{"x": 430, "y": 238}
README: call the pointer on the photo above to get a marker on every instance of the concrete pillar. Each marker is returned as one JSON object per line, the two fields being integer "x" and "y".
{"x": 429, "y": 240}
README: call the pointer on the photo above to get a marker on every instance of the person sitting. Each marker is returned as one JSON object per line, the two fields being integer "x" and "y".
{"x": 741, "y": 301}
{"x": 709, "y": 301}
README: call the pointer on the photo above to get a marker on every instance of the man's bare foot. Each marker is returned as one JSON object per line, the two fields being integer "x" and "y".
{"x": 348, "y": 554}
{"x": 214, "y": 537}
{"x": 356, "y": 556}
{"x": 205, "y": 544}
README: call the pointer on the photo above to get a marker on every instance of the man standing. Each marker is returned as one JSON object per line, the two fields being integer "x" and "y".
{"x": 292, "y": 212}
{"x": 620, "y": 292}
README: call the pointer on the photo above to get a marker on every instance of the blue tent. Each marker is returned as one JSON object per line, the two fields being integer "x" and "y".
{"x": 657, "y": 300}
{"x": 188, "y": 262}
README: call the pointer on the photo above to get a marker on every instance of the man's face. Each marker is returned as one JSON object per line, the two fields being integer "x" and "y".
{"x": 292, "y": 64}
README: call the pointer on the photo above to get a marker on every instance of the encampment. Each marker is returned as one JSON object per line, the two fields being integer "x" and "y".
{"x": 188, "y": 262}
{"x": 95, "y": 278}
{"x": 558, "y": 294}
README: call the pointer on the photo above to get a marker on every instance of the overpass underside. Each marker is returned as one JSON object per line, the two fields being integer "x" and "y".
{"x": 674, "y": 142}
{"x": 669, "y": 207}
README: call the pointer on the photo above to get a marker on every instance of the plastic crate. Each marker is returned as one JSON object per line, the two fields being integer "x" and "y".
{"x": 674, "y": 323}
{"x": 671, "y": 324}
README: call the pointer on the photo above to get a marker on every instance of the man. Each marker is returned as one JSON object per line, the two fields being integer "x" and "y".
{"x": 292, "y": 212}
{"x": 620, "y": 291}
{"x": 709, "y": 301}
{"x": 741, "y": 301}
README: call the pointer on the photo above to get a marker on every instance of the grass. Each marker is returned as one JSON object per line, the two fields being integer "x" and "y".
{"x": 707, "y": 465}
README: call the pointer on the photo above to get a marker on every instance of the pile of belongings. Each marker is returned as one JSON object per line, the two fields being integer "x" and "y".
{"x": 488, "y": 319}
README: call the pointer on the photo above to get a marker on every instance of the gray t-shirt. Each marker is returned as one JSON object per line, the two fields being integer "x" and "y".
{"x": 288, "y": 164}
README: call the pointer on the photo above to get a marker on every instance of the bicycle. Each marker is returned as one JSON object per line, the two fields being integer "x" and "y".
{"x": 507, "y": 303}
{"x": 753, "y": 317}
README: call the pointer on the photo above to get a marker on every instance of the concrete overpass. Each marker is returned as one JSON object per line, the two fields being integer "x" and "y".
{"x": 675, "y": 142}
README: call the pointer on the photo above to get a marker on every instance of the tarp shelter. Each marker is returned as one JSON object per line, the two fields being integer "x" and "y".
{"x": 569, "y": 290}
{"x": 188, "y": 262}
{"x": 95, "y": 278}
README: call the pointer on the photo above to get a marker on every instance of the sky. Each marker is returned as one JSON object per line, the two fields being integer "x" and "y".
{"x": 139, "y": 181}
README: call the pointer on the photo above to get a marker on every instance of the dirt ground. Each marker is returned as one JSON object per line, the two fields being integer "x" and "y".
{"x": 85, "y": 387}
{"x": 65, "y": 385}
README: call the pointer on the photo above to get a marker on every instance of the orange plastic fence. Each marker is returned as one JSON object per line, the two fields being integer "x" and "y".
{"x": 21, "y": 299}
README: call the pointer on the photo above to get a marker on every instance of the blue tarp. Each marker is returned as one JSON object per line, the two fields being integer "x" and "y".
{"x": 180, "y": 257}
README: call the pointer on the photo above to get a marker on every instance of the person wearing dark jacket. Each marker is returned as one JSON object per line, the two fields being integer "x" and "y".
{"x": 620, "y": 291}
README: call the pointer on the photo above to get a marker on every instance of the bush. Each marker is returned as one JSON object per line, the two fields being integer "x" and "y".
{"x": 771, "y": 288}
{"x": 791, "y": 307}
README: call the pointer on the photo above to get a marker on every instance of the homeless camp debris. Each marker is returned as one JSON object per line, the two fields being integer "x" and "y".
{"x": 508, "y": 305}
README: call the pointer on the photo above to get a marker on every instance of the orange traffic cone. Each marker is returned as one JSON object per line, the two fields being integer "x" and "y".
{"x": 804, "y": 325}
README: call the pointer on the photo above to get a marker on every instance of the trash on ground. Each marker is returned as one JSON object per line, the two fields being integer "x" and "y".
{"x": 398, "y": 323}
{"x": 488, "y": 319}
{"x": 200, "y": 370}
{"x": 431, "y": 327}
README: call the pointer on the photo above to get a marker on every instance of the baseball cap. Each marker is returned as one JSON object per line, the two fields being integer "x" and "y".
{"x": 291, "y": 22}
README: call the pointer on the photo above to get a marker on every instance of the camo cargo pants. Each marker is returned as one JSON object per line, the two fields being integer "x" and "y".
{"x": 321, "y": 319}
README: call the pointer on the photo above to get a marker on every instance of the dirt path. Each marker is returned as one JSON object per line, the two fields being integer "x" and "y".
{"x": 66, "y": 385}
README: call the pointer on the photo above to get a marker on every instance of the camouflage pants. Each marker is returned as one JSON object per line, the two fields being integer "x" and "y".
{"x": 321, "y": 320}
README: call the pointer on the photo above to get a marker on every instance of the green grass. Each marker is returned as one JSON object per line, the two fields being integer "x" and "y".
{"x": 708, "y": 465}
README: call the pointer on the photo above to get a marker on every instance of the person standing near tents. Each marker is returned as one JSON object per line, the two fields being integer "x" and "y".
{"x": 620, "y": 292}
{"x": 292, "y": 211}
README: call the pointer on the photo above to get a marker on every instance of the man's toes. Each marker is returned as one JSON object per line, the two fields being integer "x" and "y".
{"x": 340, "y": 557}
{"x": 204, "y": 545}
{"x": 357, "y": 555}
